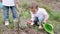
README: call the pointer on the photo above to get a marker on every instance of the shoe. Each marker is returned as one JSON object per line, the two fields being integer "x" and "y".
{"x": 32, "y": 24}
{"x": 6, "y": 23}
{"x": 40, "y": 27}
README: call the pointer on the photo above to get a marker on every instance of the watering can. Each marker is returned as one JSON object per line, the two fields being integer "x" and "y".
{"x": 48, "y": 28}
{"x": 1, "y": 5}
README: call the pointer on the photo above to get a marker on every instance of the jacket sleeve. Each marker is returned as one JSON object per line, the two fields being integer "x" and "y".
{"x": 32, "y": 16}
{"x": 45, "y": 14}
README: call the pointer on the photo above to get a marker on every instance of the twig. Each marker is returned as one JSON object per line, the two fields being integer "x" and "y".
{"x": 17, "y": 6}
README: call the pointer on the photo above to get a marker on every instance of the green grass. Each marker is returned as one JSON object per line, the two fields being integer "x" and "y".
{"x": 1, "y": 31}
{"x": 54, "y": 17}
{"x": 25, "y": 13}
{"x": 1, "y": 20}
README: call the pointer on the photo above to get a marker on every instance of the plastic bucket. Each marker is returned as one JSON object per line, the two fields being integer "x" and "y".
{"x": 48, "y": 28}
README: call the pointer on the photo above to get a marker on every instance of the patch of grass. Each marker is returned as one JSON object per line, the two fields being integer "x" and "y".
{"x": 11, "y": 22}
{"x": 1, "y": 20}
{"x": 25, "y": 4}
{"x": 37, "y": 0}
{"x": 1, "y": 31}
{"x": 11, "y": 26}
{"x": 11, "y": 19}
{"x": 25, "y": 13}
{"x": 56, "y": 17}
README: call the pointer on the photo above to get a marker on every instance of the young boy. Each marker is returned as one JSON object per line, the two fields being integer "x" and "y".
{"x": 37, "y": 14}
{"x": 10, "y": 4}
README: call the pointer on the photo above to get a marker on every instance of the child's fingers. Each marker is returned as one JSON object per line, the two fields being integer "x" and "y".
{"x": 45, "y": 21}
{"x": 28, "y": 22}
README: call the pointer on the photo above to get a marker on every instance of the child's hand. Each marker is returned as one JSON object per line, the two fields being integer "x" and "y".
{"x": 32, "y": 19}
{"x": 29, "y": 21}
{"x": 45, "y": 21}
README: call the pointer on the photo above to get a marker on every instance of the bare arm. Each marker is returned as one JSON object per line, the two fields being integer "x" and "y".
{"x": 46, "y": 18}
{"x": 16, "y": 1}
{"x": 45, "y": 15}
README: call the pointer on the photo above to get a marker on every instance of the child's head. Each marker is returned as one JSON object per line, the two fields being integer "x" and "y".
{"x": 33, "y": 7}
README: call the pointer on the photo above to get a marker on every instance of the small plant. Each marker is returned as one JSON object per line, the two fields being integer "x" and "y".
{"x": 1, "y": 20}
{"x": 1, "y": 31}
{"x": 25, "y": 4}
{"x": 57, "y": 17}
{"x": 38, "y": 0}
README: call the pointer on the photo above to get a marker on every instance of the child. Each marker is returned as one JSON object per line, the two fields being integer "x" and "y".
{"x": 10, "y": 4}
{"x": 37, "y": 14}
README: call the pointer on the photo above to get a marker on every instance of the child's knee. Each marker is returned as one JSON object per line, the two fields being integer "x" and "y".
{"x": 41, "y": 20}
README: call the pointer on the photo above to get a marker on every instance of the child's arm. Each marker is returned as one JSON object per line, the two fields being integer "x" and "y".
{"x": 46, "y": 18}
{"x": 16, "y": 1}
{"x": 45, "y": 15}
{"x": 32, "y": 16}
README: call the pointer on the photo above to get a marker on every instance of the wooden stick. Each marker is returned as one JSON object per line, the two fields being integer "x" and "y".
{"x": 17, "y": 7}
